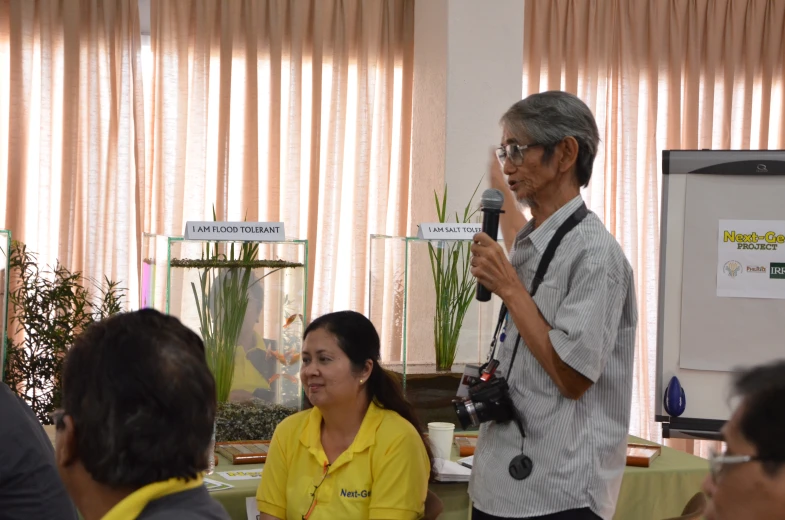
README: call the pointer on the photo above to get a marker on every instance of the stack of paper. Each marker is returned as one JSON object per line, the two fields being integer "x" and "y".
{"x": 449, "y": 471}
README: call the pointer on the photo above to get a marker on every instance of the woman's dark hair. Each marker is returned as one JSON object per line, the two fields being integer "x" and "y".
{"x": 359, "y": 340}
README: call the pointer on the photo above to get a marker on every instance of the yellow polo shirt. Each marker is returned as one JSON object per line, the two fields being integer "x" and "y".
{"x": 382, "y": 475}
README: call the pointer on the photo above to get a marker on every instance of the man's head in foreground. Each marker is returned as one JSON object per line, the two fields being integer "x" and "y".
{"x": 748, "y": 481}
{"x": 138, "y": 407}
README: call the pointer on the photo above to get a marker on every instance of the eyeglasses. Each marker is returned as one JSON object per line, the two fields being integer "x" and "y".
{"x": 514, "y": 152}
{"x": 718, "y": 461}
{"x": 313, "y": 493}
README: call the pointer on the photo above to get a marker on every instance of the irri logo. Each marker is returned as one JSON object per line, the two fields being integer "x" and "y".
{"x": 777, "y": 270}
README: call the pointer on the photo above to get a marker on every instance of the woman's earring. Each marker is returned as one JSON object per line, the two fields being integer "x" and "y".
{"x": 361, "y": 381}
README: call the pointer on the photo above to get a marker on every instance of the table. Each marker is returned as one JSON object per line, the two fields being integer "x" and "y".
{"x": 662, "y": 490}
{"x": 653, "y": 493}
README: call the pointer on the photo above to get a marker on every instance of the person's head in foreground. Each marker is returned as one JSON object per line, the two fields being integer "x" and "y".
{"x": 359, "y": 452}
{"x": 747, "y": 482}
{"x": 549, "y": 142}
{"x": 137, "y": 418}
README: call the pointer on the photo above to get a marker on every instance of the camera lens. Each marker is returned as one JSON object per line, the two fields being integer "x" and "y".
{"x": 497, "y": 410}
{"x": 467, "y": 414}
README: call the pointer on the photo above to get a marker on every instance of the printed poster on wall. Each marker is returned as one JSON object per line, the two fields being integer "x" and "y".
{"x": 751, "y": 259}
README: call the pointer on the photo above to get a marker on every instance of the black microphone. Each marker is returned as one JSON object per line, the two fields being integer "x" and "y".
{"x": 491, "y": 207}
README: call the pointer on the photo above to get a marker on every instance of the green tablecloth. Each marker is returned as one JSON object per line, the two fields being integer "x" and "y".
{"x": 653, "y": 493}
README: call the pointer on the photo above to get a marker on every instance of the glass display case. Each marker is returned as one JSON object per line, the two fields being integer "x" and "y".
{"x": 5, "y": 258}
{"x": 152, "y": 288}
{"x": 422, "y": 301}
{"x": 246, "y": 300}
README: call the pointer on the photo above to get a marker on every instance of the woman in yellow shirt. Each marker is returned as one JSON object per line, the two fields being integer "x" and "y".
{"x": 359, "y": 452}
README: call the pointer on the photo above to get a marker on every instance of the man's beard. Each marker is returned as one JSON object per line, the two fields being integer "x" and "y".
{"x": 526, "y": 202}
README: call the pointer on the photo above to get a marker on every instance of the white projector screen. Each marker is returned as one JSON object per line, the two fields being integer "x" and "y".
{"x": 702, "y": 338}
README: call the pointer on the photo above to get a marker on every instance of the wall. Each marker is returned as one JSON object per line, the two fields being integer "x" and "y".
{"x": 468, "y": 68}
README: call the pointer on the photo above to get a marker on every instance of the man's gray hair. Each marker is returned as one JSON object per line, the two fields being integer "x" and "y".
{"x": 547, "y": 118}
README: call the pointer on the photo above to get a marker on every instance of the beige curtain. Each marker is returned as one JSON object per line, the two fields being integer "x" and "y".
{"x": 284, "y": 110}
{"x": 658, "y": 74}
{"x": 71, "y": 133}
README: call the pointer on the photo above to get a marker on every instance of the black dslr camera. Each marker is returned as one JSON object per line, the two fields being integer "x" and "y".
{"x": 489, "y": 400}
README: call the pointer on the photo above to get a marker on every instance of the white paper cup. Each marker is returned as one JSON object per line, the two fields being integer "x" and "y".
{"x": 440, "y": 435}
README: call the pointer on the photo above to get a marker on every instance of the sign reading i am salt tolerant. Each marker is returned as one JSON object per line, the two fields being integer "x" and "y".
{"x": 751, "y": 259}
{"x": 239, "y": 231}
{"x": 448, "y": 231}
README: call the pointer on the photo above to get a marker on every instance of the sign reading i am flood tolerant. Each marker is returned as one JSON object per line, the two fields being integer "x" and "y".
{"x": 239, "y": 231}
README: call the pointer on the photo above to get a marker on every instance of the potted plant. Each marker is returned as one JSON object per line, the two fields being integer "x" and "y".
{"x": 48, "y": 309}
{"x": 431, "y": 393}
{"x": 227, "y": 274}
{"x": 453, "y": 283}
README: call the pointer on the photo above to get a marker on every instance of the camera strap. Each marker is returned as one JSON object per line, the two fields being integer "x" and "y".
{"x": 542, "y": 268}
{"x": 521, "y": 466}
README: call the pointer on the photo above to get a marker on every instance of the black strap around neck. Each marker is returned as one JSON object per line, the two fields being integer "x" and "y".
{"x": 567, "y": 226}
{"x": 542, "y": 268}
{"x": 521, "y": 466}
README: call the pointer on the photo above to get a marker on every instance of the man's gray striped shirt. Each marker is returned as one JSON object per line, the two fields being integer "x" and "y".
{"x": 577, "y": 446}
